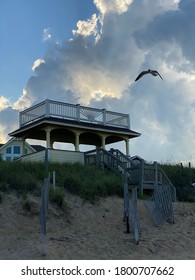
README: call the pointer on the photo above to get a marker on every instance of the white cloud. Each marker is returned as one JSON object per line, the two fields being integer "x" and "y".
{"x": 23, "y": 102}
{"x": 8, "y": 119}
{"x": 112, "y": 6}
{"x": 4, "y": 102}
{"x": 47, "y": 34}
{"x": 87, "y": 28}
{"x": 3, "y": 136}
{"x": 37, "y": 63}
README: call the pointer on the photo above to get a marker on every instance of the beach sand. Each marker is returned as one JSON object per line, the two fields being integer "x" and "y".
{"x": 86, "y": 231}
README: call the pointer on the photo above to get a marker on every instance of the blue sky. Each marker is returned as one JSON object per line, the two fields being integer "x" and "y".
{"x": 22, "y": 25}
{"x": 92, "y": 51}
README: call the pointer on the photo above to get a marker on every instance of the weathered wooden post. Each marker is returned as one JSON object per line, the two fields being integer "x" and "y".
{"x": 47, "y": 178}
{"x": 141, "y": 176}
{"x": 54, "y": 179}
{"x": 43, "y": 223}
{"x": 46, "y": 161}
{"x": 44, "y": 205}
{"x": 155, "y": 174}
{"x": 126, "y": 198}
{"x": 136, "y": 226}
{"x": 97, "y": 157}
{"x": 190, "y": 173}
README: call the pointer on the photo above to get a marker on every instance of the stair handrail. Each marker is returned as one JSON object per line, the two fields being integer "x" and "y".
{"x": 112, "y": 162}
{"x": 159, "y": 177}
{"x": 158, "y": 174}
{"x": 151, "y": 174}
{"x": 123, "y": 157}
{"x": 103, "y": 157}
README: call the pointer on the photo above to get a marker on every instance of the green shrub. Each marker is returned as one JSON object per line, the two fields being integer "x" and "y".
{"x": 89, "y": 182}
{"x": 22, "y": 177}
{"x": 181, "y": 177}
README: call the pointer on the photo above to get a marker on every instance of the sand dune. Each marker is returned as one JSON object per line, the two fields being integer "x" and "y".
{"x": 93, "y": 231}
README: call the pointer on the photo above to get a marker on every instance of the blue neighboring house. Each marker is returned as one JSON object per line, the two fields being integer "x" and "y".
{"x": 12, "y": 150}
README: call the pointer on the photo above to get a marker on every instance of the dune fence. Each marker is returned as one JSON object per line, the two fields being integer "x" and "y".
{"x": 134, "y": 224}
{"x": 160, "y": 205}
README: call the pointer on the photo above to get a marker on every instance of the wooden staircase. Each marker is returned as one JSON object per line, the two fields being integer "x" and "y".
{"x": 143, "y": 176}
{"x": 148, "y": 177}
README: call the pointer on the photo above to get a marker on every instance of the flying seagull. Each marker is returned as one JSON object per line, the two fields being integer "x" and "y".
{"x": 152, "y": 72}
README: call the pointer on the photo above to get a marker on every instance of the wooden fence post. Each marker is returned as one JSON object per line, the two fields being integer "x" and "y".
{"x": 54, "y": 179}
{"x": 43, "y": 215}
{"x": 141, "y": 177}
{"x": 155, "y": 174}
{"x": 44, "y": 204}
{"x": 46, "y": 161}
{"x": 126, "y": 199}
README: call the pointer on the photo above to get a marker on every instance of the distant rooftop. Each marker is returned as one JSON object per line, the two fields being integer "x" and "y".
{"x": 38, "y": 148}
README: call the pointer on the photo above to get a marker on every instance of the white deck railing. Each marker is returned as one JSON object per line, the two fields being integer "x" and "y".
{"x": 50, "y": 108}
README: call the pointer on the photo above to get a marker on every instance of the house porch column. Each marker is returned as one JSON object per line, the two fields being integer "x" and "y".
{"x": 103, "y": 142}
{"x": 48, "y": 138}
{"x": 127, "y": 147}
{"x": 77, "y": 141}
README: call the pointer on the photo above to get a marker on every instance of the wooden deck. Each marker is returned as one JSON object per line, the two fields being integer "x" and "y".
{"x": 50, "y": 108}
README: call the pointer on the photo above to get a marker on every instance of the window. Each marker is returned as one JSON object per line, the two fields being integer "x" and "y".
{"x": 8, "y": 150}
{"x": 8, "y": 158}
{"x": 17, "y": 150}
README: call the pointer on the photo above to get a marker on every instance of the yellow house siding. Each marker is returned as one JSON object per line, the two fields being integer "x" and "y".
{"x": 39, "y": 156}
{"x": 66, "y": 156}
{"x": 56, "y": 156}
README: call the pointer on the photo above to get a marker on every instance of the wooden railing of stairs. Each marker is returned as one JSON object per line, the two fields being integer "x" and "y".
{"x": 144, "y": 176}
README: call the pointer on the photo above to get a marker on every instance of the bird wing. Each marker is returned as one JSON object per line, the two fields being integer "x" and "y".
{"x": 141, "y": 74}
{"x": 155, "y": 73}
{"x": 159, "y": 75}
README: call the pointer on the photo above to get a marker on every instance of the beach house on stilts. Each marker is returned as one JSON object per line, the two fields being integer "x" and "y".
{"x": 54, "y": 121}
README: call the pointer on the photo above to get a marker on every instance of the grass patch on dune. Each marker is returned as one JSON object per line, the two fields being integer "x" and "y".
{"x": 21, "y": 177}
{"x": 181, "y": 177}
{"x": 88, "y": 182}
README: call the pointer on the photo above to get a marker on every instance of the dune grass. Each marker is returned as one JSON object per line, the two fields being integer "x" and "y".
{"x": 88, "y": 182}
{"x": 181, "y": 177}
